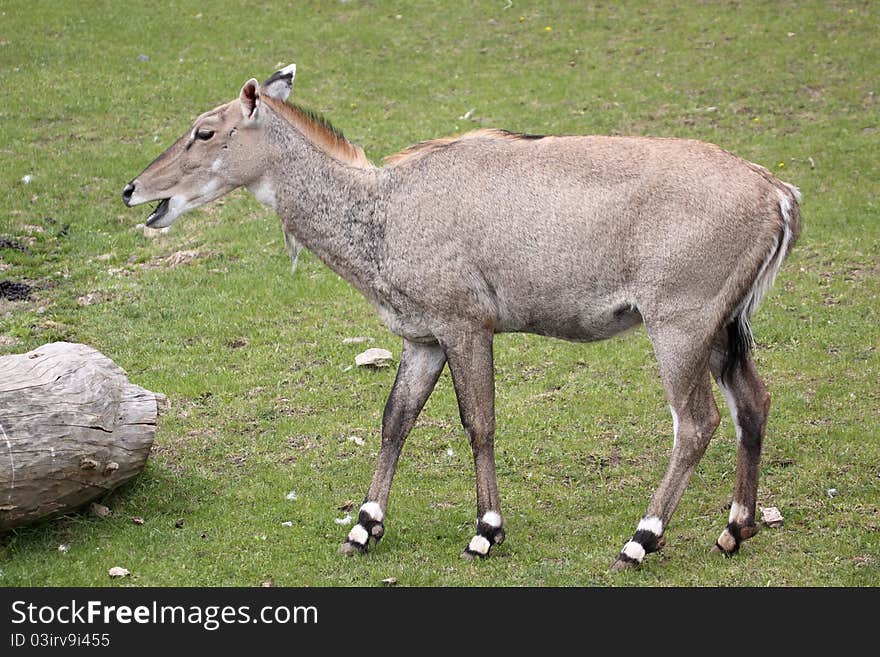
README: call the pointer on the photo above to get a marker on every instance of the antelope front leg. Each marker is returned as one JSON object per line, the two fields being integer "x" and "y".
{"x": 473, "y": 376}
{"x": 420, "y": 367}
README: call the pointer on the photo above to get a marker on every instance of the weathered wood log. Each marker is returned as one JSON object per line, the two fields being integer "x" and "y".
{"x": 72, "y": 427}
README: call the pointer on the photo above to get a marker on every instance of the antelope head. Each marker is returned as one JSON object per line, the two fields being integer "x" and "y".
{"x": 220, "y": 152}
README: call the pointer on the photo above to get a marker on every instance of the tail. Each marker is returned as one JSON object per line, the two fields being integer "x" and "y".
{"x": 739, "y": 332}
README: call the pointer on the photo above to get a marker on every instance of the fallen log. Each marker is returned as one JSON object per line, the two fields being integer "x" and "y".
{"x": 72, "y": 428}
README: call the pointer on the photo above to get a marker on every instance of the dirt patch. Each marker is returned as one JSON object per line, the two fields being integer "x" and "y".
{"x": 6, "y": 243}
{"x": 176, "y": 259}
{"x": 15, "y": 291}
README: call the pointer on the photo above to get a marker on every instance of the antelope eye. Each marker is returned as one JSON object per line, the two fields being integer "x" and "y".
{"x": 204, "y": 135}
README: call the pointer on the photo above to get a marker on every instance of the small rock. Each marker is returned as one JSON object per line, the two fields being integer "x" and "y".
{"x": 390, "y": 581}
{"x": 287, "y": 523}
{"x": 771, "y": 516}
{"x": 152, "y": 232}
{"x": 450, "y": 452}
{"x": 357, "y": 441}
{"x": 290, "y": 496}
{"x": 27, "y": 179}
{"x": 832, "y": 492}
{"x": 116, "y": 571}
{"x": 88, "y": 299}
{"x": 179, "y": 523}
{"x": 143, "y": 58}
{"x": 64, "y": 547}
{"x": 137, "y": 520}
{"x": 267, "y": 584}
{"x": 343, "y": 521}
{"x": 99, "y": 510}
{"x": 374, "y": 357}
{"x": 356, "y": 340}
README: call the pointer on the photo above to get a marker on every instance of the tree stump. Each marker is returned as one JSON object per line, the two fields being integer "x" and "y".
{"x": 72, "y": 428}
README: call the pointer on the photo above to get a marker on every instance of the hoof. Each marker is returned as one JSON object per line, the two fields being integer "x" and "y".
{"x": 624, "y": 563}
{"x": 748, "y": 531}
{"x": 349, "y": 548}
{"x": 489, "y": 533}
{"x": 367, "y": 532}
{"x": 732, "y": 537}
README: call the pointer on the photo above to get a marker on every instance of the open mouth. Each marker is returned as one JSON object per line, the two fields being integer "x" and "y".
{"x": 160, "y": 211}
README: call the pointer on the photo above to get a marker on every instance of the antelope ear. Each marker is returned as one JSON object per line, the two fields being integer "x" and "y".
{"x": 250, "y": 99}
{"x": 280, "y": 83}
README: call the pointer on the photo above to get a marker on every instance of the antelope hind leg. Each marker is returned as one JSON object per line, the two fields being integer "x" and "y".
{"x": 694, "y": 418}
{"x": 749, "y": 403}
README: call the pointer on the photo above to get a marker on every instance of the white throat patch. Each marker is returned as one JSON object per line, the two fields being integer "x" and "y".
{"x": 264, "y": 193}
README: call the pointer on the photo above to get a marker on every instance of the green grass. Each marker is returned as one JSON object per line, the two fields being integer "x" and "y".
{"x": 252, "y": 358}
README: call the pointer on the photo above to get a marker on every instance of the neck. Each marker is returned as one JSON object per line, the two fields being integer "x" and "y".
{"x": 330, "y": 206}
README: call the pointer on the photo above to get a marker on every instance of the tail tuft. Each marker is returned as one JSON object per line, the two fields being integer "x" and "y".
{"x": 739, "y": 346}
{"x": 739, "y": 331}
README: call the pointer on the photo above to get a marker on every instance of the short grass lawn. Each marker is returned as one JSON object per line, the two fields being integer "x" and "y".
{"x": 264, "y": 400}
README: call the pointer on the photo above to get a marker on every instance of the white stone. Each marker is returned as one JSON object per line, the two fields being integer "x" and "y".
{"x": 374, "y": 357}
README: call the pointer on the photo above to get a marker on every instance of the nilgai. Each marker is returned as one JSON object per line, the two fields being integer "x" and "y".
{"x": 576, "y": 237}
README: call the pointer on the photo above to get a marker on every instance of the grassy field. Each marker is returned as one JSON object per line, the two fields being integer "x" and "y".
{"x": 253, "y": 361}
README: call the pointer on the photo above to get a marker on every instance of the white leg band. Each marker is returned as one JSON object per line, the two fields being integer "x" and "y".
{"x": 653, "y": 524}
{"x": 634, "y": 551}
{"x": 492, "y": 519}
{"x": 373, "y": 510}
{"x": 358, "y": 535}
{"x": 479, "y": 544}
{"x": 738, "y": 513}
